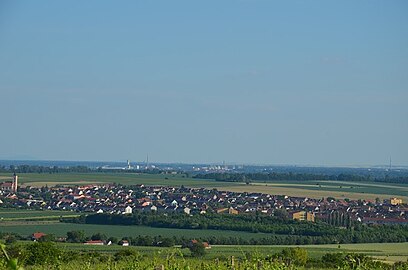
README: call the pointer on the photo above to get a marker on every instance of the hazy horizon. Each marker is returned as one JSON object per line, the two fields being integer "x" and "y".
{"x": 248, "y": 81}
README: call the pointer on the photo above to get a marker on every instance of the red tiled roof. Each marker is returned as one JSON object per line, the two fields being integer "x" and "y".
{"x": 38, "y": 235}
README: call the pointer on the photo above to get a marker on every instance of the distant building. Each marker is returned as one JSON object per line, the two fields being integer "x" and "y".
{"x": 221, "y": 210}
{"x": 37, "y": 235}
{"x": 302, "y": 216}
{"x": 395, "y": 201}
{"x": 6, "y": 186}
{"x": 128, "y": 210}
{"x": 206, "y": 245}
{"x": 15, "y": 182}
{"x": 95, "y": 243}
{"x": 230, "y": 211}
{"x": 10, "y": 186}
{"x": 124, "y": 243}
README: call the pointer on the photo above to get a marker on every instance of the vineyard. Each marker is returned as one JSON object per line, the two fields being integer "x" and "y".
{"x": 47, "y": 255}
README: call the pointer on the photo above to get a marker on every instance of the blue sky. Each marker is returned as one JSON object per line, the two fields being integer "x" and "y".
{"x": 246, "y": 81}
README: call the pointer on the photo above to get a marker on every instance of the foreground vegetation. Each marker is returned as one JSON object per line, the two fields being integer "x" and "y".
{"x": 46, "y": 255}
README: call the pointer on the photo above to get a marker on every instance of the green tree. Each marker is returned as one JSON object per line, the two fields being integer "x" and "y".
{"x": 47, "y": 238}
{"x": 296, "y": 256}
{"x": 197, "y": 249}
{"x": 99, "y": 236}
{"x": 76, "y": 236}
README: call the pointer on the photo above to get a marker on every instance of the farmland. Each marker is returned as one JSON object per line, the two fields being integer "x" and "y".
{"x": 388, "y": 251}
{"x": 60, "y": 229}
{"x": 319, "y": 189}
{"x": 40, "y": 180}
{"x": 11, "y": 214}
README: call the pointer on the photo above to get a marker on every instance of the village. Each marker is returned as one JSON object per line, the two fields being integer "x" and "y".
{"x": 120, "y": 199}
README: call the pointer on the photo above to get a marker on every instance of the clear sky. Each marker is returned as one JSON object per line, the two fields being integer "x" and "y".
{"x": 246, "y": 81}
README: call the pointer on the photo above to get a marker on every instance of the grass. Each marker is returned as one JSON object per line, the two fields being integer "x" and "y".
{"x": 390, "y": 252}
{"x": 35, "y": 179}
{"x": 385, "y": 251}
{"x": 60, "y": 229}
{"x": 11, "y": 214}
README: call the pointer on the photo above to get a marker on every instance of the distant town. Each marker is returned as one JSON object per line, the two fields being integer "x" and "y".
{"x": 121, "y": 199}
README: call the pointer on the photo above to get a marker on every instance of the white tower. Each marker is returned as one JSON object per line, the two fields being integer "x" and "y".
{"x": 14, "y": 185}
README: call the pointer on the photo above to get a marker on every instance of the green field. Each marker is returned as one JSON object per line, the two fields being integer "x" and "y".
{"x": 390, "y": 252}
{"x": 60, "y": 229}
{"x": 384, "y": 251}
{"x": 11, "y": 214}
{"x": 39, "y": 180}
{"x": 312, "y": 189}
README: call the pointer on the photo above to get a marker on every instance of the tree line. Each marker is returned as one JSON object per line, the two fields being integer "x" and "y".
{"x": 279, "y": 230}
{"x": 71, "y": 169}
{"x": 274, "y": 176}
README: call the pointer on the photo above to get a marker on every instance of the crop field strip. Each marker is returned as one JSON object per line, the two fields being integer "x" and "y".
{"x": 15, "y": 213}
{"x": 301, "y": 192}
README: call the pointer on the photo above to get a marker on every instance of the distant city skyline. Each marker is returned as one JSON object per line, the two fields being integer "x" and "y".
{"x": 248, "y": 81}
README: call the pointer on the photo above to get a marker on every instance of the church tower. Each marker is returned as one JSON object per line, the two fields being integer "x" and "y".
{"x": 14, "y": 185}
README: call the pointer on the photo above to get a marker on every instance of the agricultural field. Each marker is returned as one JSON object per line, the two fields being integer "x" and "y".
{"x": 39, "y": 180}
{"x": 312, "y": 189}
{"x": 60, "y": 229}
{"x": 10, "y": 214}
{"x": 319, "y": 189}
{"x": 389, "y": 252}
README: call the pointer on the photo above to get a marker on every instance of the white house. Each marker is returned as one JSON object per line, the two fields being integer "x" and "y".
{"x": 128, "y": 210}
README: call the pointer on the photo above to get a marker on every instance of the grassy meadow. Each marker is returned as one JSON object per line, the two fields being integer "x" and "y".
{"x": 11, "y": 214}
{"x": 60, "y": 229}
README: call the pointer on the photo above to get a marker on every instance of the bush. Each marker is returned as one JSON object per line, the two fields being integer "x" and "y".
{"x": 197, "y": 249}
{"x": 42, "y": 253}
{"x": 126, "y": 253}
{"x": 296, "y": 256}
